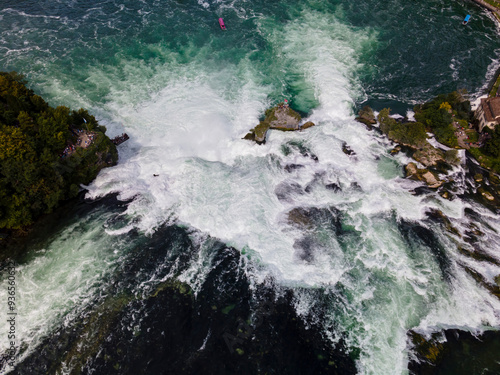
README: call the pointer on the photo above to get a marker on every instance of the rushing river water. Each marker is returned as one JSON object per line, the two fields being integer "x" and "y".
{"x": 298, "y": 257}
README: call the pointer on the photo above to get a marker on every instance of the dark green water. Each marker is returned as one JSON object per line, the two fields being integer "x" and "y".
{"x": 201, "y": 269}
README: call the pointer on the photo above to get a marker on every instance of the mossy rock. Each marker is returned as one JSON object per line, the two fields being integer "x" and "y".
{"x": 429, "y": 155}
{"x": 366, "y": 116}
{"x": 308, "y": 124}
{"x": 280, "y": 117}
{"x": 451, "y": 157}
{"x": 497, "y": 280}
{"x": 250, "y": 136}
{"x": 431, "y": 350}
{"x": 260, "y": 132}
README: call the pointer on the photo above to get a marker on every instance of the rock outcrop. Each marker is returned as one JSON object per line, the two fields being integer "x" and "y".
{"x": 366, "y": 116}
{"x": 281, "y": 117}
{"x": 424, "y": 175}
{"x": 429, "y": 155}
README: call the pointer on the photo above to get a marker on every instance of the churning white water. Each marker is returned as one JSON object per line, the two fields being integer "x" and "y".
{"x": 189, "y": 133}
{"x": 186, "y": 122}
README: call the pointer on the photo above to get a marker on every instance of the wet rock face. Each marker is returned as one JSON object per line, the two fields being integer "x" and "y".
{"x": 347, "y": 150}
{"x": 443, "y": 352}
{"x": 165, "y": 330}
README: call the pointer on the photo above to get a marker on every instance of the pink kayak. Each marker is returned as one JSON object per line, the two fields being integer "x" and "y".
{"x": 221, "y": 23}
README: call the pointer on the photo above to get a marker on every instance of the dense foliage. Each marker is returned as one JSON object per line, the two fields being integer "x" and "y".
{"x": 34, "y": 174}
{"x": 411, "y": 134}
{"x": 438, "y": 114}
{"x": 492, "y": 145}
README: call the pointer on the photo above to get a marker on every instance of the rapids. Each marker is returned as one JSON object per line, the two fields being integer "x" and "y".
{"x": 341, "y": 242}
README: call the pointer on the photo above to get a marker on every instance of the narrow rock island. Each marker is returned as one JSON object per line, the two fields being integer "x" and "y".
{"x": 281, "y": 117}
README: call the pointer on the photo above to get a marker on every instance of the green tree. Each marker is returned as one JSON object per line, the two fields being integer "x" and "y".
{"x": 492, "y": 146}
{"x": 34, "y": 178}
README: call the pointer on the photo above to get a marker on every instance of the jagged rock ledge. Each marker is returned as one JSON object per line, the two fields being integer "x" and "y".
{"x": 412, "y": 137}
{"x": 281, "y": 117}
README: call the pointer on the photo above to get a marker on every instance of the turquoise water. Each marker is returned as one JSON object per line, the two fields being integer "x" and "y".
{"x": 362, "y": 265}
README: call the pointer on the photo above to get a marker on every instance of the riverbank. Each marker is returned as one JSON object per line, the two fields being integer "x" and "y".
{"x": 491, "y": 5}
{"x": 450, "y": 121}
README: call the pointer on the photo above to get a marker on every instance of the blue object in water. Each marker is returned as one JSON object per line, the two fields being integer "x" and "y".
{"x": 466, "y": 19}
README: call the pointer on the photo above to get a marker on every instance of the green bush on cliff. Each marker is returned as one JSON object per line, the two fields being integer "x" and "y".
{"x": 34, "y": 177}
{"x": 412, "y": 133}
{"x": 438, "y": 114}
{"x": 485, "y": 160}
{"x": 492, "y": 145}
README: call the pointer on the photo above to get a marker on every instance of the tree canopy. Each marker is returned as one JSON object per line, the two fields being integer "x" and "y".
{"x": 35, "y": 175}
{"x": 438, "y": 114}
{"x": 411, "y": 133}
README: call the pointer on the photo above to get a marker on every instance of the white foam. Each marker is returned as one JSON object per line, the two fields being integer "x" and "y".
{"x": 60, "y": 281}
{"x": 185, "y": 122}
{"x": 189, "y": 133}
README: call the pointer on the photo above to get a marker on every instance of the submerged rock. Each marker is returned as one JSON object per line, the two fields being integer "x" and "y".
{"x": 347, "y": 150}
{"x": 333, "y": 186}
{"x": 285, "y": 191}
{"x": 292, "y": 167}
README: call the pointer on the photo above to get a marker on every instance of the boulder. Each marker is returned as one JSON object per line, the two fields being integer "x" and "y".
{"x": 283, "y": 118}
{"x": 347, "y": 150}
{"x": 424, "y": 175}
{"x": 488, "y": 195}
{"x": 411, "y": 170}
{"x": 430, "y": 179}
{"x": 395, "y": 150}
